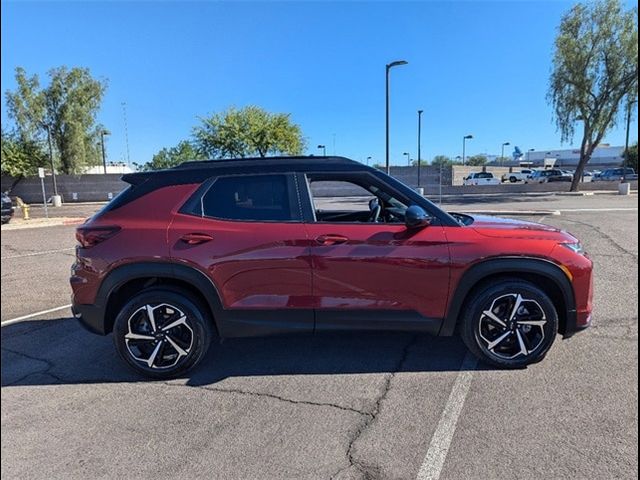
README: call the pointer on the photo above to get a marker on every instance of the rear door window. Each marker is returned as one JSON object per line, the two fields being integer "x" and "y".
{"x": 262, "y": 198}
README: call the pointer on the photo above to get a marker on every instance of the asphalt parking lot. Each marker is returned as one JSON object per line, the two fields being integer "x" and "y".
{"x": 348, "y": 406}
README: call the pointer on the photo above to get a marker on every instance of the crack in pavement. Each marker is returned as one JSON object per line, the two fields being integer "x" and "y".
{"x": 271, "y": 396}
{"x": 370, "y": 471}
{"x": 605, "y": 236}
{"x": 47, "y": 371}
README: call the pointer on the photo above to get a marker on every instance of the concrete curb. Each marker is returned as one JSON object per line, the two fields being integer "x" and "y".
{"x": 20, "y": 224}
{"x": 502, "y": 213}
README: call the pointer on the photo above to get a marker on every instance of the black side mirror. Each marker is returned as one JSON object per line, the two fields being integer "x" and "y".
{"x": 416, "y": 217}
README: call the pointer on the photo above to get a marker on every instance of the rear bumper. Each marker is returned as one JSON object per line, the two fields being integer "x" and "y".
{"x": 90, "y": 317}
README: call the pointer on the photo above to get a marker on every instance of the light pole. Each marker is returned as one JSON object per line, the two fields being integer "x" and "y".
{"x": 324, "y": 150}
{"x": 529, "y": 155}
{"x": 389, "y": 66}
{"x": 368, "y": 158}
{"x": 408, "y": 158}
{"x": 53, "y": 168}
{"x": 419, "y": 132}
{"x": 502, "y": 154}
{"x": 626, "y": 142}
{"x": 104, "y": 156}
{"x": 464, "y": 147}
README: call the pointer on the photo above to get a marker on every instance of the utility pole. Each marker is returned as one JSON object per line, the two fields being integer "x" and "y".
{"x": 419, "y": 132}
{"x": 389, "y": 66}
{"x": 53, "y": 168}
{"x": 126, "y": 130}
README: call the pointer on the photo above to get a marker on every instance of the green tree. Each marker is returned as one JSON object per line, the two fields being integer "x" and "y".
{"x": 441, "y": 160}
{"x": 68, "y": 105}
{"x": 21, "y": 157}
{"x": 595, "y": 67}
{"x": 170, "y": 157}
{"x": 632, "y": 157}
{"x": 248, "y": 132}
{"x": 477, "y": 160}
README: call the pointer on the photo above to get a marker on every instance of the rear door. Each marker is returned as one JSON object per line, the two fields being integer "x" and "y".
{"x": 245, "y": 233}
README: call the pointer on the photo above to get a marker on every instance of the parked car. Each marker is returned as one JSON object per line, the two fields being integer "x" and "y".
{"x": 550, "y": 175}
{"x": 242, "y": 248}
{"x": 515, "y": 177}
{"x": 616, "y": 175}
{"x": 7, "y": 208}
{"x": 481, "y": 178}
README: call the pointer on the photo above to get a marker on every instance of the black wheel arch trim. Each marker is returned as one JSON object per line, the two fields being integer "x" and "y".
{"x": 514, "y": 265}
{"x": 167, "y": 270}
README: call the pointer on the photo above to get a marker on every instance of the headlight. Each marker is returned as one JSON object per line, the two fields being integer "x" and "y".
{"x": 574, "y": 247}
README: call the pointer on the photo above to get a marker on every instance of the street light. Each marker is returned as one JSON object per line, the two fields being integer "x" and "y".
{"x": 104, "y": 156}
{"x": 505, "y": 144}
{"x": 419, "y": 131}
{"x": 529, "y": 155}
{"x": 389, "y": 66}
{"x": 408, "y": 158}
{"x": 464, "y": 147}
{"x": 324, "y": 150}
{"x": 626, "y": 142}
{"x": 368, "y": 158}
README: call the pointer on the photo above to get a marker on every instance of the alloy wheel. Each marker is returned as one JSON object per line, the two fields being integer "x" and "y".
{"x": 512, "y": 326}
{"x": 158, "y": 336}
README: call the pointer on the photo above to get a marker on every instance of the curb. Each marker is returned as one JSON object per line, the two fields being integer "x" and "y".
{"x": 515, "y": 212}
{"x": 43, "y": 222}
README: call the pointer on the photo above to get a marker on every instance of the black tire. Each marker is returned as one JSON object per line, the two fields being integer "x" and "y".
{"x": 513, "y": 179}
{"x": 186, "y": 343}
{"x": 479, "y": 331}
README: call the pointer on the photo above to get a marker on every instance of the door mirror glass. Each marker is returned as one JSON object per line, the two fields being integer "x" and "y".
{"x": 416, "y": 217}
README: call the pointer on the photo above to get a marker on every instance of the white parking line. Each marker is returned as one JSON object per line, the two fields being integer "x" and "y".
{"x": 441, "y": 441}
{"x": 615, "y": 209}
{"x": 36, "y": 314}
{"x": 45, "y": 252}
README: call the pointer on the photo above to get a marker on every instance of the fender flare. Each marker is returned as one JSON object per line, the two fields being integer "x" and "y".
{"x": 506, "y": 265}
{"x": 132, "y": 271}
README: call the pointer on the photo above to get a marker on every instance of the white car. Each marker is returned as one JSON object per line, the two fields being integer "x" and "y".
{"x": 481, "y": 178}
{"x": 515, "y": 177}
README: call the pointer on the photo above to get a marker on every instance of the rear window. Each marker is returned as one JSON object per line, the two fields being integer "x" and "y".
{"x": 257, "y": 198}
{"x": 484, "y": 175}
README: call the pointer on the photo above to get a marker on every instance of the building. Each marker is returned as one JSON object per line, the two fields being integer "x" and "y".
{"x": 603, "y": 156}
{"x": 120, "y": 168}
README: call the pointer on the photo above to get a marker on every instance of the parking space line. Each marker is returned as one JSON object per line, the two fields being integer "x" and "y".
{"x": 33, "y": 254}
{"x": 36, "y": 314}
{"x": 595, "y": 210}
{"x": 441, "y": 441}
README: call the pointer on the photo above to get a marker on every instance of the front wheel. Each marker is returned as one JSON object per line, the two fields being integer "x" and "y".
{"x": 510, "y": 324}
{"x": 162, "y": 332}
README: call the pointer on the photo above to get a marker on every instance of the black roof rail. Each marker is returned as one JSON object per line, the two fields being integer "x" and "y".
{"x": 275, "y": 159}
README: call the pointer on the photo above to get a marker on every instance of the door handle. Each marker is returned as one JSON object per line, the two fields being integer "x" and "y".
{"x": 331, "y": 239}
{"x": 196, "y": 238}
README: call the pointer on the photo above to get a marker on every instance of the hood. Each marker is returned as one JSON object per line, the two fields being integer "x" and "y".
{"x": 506, "y": 227}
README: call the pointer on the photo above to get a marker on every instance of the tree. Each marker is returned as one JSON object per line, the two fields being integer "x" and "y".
{"x": 170, "y": 157}
{"x": 21, "y": 157}
{"x": 632, "y": 157}
{"x": 477, "y": 161}
{"x": 441, "y": 160}
{"x": 595, "y": 67}
{"x": 247, "y": 132}
{"x": 69, "y": 106}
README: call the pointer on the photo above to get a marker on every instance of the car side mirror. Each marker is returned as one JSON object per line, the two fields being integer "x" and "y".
{"x": 416, "y": 217}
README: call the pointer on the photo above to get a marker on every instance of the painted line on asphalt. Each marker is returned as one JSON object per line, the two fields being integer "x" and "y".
{"x": 36, "y": 314}
{"x": 431, "y": 467}
{"x": 34, "y": 254}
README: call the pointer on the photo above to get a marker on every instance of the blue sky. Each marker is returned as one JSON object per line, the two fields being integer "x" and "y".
{"x": 476, "y": 68}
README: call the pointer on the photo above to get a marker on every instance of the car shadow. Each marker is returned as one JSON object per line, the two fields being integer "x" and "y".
{"x": 60, "y": 351}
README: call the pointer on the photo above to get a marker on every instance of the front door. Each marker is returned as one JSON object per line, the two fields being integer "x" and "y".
{"x": 369, "y": 270}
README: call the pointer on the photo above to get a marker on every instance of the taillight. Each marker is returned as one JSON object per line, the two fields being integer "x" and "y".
{"x": 91, "y": 236}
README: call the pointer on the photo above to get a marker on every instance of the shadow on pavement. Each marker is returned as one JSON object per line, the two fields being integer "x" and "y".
{"x": 60, "y": 351}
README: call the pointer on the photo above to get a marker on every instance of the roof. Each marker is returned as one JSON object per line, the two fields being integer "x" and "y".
{"x": 200, "y": 170}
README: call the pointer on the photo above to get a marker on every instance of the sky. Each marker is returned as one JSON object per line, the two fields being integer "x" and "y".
{"x": 475, "y": 67}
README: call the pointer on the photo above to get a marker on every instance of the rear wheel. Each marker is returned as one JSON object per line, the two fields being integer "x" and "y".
{"x": 513, "y": 179}
{"x": 510, "y": 324}
{"x": 162, "y": 332}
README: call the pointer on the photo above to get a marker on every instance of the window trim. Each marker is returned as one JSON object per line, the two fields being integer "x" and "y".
{"x": 194, "y": 203}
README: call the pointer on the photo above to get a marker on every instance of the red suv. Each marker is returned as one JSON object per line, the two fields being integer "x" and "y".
{"x": 250, "y": 247}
